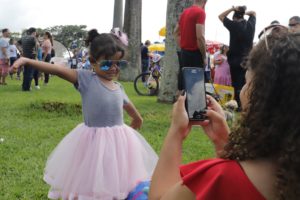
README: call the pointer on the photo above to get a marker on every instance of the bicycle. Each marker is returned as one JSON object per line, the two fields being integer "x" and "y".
{"x": 147, "y": 83}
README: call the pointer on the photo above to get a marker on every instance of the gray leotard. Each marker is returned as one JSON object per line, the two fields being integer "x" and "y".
{"x": 101, "y": 106}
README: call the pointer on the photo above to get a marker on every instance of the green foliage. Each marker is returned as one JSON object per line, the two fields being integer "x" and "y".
{"x": 15, "y": 35}
{"x": 68, "y": 33}
{"x": 33, "y": 123}
{"x": 65, "y": 34}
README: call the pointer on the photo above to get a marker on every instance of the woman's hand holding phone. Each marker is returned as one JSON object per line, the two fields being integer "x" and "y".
{"x": 216, "y": 127}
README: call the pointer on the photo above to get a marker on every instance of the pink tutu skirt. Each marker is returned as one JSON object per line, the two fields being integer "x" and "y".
{"x": 93, "y": 163}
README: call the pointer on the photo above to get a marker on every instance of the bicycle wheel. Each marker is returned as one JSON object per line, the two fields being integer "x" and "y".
{"x": 146, "y": 85}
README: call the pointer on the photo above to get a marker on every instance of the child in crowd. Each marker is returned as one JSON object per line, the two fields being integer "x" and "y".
{"x": 101, "y": 158}
{"x": 13, "y": 53}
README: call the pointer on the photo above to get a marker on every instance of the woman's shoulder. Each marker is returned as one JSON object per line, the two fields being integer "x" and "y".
{"x": 218, "y": 179}
{"x": 210, "y": 165}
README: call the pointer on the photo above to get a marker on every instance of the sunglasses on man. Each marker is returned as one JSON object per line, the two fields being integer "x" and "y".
{"x": 105, "y": 65}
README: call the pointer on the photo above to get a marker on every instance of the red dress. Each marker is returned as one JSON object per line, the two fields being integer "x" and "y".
{"x": 218, "y": 179}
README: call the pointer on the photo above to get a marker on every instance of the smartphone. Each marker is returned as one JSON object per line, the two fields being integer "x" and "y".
{"x": 194, "y": 84}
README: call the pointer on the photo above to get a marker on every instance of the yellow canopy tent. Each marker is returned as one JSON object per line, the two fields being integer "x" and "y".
{"x": 162, "y": 31}
{"x": 156, "y": 47}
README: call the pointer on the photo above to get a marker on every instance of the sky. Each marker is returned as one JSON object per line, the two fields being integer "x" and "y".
{"x": 22, "y": 14}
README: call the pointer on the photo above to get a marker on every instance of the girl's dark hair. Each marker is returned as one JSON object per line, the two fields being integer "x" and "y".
{"x": 102, "y": 45}
{"x": 223, "y": 48}
{"x": 270, "y": 126}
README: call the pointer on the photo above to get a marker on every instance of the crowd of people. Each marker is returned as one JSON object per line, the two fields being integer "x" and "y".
{"x": 30, "y": 46}
{"x": 103, "y": 158}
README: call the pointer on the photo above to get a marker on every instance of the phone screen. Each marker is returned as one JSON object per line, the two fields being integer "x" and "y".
{"x": 195, "y": 92}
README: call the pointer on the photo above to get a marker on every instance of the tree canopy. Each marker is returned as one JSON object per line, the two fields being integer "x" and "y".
{"x": 72, "y": 36}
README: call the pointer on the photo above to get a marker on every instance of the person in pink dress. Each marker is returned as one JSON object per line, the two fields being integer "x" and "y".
{"x": 222, "y": 69}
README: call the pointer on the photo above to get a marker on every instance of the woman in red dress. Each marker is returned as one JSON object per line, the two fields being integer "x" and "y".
{"x": 259, "y": 159}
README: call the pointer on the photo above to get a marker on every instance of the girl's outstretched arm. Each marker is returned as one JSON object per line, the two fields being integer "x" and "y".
{"x": 137, "y": 119}
{"x": 61, "y": 71}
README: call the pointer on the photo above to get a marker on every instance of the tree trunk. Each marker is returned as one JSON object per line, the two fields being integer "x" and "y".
{"x": 132, "y": 26}
{"x": 168, "y": 84}
{"x": 118, "y": 14}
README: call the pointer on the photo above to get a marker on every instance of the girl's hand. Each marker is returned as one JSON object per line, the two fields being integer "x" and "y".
{"x": 18, "y": 63}
{"x": 216, "y": 127}
{"x": 136, "y": 123}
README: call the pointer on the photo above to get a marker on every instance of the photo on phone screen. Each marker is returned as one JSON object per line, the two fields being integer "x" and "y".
{"x": 194, "y": 84}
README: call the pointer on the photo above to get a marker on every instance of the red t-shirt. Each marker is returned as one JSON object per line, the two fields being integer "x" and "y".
{"x": 219, "y": 179}
{"x": 187, "y": 26}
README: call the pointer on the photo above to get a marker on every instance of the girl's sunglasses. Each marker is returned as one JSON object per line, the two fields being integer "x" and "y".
{"x": 105, "y": 65}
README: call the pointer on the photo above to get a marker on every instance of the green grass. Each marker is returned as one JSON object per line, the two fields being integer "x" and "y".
{"x": 33, "y": 123}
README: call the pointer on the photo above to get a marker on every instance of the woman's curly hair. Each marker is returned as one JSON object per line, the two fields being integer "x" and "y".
{"x": 270, "y": 126}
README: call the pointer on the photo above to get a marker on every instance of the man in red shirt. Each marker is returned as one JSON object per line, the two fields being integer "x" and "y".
{"x": 190, "y": 35}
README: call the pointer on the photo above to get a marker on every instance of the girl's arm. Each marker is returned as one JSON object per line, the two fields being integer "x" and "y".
{"x": 61, "y": 71}
{"x": 137, "y": 119}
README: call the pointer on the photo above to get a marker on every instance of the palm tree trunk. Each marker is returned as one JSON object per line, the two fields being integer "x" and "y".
{"x": 132, "y": 26}
{"x": 168, "y": 85}
{"x": 118, "y": 14}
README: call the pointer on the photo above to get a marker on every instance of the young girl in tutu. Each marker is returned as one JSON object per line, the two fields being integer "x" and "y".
{"x": 101, "y": 158}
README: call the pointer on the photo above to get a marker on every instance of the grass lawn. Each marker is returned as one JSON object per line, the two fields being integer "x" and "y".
{"x": 33, "y": 123}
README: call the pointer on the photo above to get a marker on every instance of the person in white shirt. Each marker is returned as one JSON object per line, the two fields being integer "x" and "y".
{"x": 12, "y": 53}
{"x": 4, "y": 57}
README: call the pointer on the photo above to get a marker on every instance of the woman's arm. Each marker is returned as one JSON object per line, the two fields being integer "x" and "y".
{"x": 61, "y": 71}
{"x": 166, "y": 180}
{"x": 137, "y": 119}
